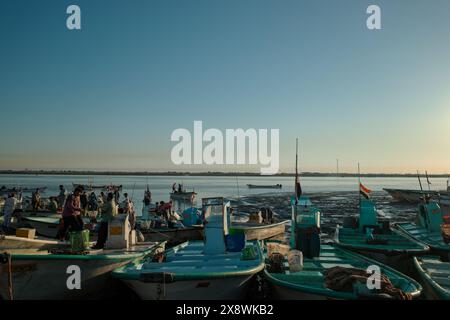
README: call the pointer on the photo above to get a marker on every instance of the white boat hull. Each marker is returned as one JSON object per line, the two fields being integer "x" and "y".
{"x": 208, "y": 289}
{"x": 37, "y": 279}
{"x": 285, "y": 293}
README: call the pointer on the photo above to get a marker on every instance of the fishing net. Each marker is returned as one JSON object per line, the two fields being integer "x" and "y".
{"x": 346, "y": 279}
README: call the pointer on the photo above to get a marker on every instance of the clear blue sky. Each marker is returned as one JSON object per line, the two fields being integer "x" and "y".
{"x": 109, "y": 96}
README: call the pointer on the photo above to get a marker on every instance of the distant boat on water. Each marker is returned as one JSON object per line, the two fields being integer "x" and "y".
{"x": 271, "y": 186}
{"x": 109, "y": 187}
{"x": 415, "y": 196}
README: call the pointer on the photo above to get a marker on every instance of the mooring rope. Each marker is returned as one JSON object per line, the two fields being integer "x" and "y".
{"x": 10, "y": 281}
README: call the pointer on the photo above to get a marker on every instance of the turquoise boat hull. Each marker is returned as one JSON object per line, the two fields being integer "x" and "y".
{"x": 433, "y": 239}
{"x": 397, "y": 253}
{"x": 309, "y": 282}
{"x": 189, "y": 274}
{"x": 435, "y": 277}
{"x": 40, "y": 275}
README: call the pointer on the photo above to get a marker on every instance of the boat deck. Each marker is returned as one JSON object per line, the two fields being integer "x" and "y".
{"x": 134, "y": 251}
{"x": 188, "y": 261}
{"x": 433, "y": 239}
{"x": 395, "y": 242}
{"x": 311, "y": 278}
{"x": 437, "y": 273}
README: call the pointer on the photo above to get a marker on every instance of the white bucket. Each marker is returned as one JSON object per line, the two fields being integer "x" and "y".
{"x": 295, "y": 259}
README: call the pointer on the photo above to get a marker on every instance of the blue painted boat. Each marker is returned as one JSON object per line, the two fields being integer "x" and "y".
{"x": 435, "y": 276}
{"x": 215, "y": 268}
{"x": 427, "y": 228}
{"x": 379, "y": 240}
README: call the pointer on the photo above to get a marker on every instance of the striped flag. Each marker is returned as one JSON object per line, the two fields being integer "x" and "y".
{"x": 364, "y": 191}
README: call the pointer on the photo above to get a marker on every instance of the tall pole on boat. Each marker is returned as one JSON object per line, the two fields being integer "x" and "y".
{"x": 359, "y": 186}
{"x": 239, "y": 199}
{"x": 297, "y": 184}
{"x": 420, "y": 182}
{"x": 428, "y": 181}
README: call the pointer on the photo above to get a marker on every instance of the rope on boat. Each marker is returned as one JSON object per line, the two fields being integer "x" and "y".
{"x": 10, "y": 281}
{"x": 5, "y": 258}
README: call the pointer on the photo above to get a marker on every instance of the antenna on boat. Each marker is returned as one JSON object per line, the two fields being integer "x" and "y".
{"x": 428, "y": 181}
{"x": 239, "y": 198}
{"x": 297, "y": 183}
{"x": 420, "y": 182}
{"x": 359, "y": 186}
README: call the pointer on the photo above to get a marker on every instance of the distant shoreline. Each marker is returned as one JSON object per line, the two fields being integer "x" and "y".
{"x": 213, "y": 174}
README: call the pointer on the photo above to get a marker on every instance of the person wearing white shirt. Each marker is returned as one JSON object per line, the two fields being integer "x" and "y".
{"x": 9, "y": 207}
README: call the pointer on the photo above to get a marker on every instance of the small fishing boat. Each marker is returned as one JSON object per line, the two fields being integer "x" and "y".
{"x": 13, "y": 242}
{"x": 209, "y": 269}
{"x": 184, "y": 195}
{"x": 105, "y": 187}
{"x": 435, "y": 277}
{"x": 409, "y": 196}
{"x": 46, "y": 273}
{"x": 46, "y": 226}
{"x": 369, "y": 236}
{"x": 259, "y": 186}
{"x": 5, "y": 190}
{"x": 260, "y": 231}
{"x": 428, "y": 228}
{"x": 39, "y": 274}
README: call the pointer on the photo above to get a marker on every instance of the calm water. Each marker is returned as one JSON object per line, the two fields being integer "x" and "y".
{"x": 230, "y": 187}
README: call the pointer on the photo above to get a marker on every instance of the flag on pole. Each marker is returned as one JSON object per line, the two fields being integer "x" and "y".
{"x": 364, "y": 191}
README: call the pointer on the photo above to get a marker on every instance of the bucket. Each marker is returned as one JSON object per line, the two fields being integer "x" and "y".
{"x": 235, "y": 242}
{"x": 295, "y": 259}
{"x": 79, "y": 240}
{"x": 274, "y": 247}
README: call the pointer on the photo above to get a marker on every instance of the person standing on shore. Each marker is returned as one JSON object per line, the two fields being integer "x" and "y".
{"x": 9, "y": 207}
{"x": 108, "y": 213}
{"x": 61, "y": 196}
{"x": 36, "y": 200}
{"x": 71, "y": 215}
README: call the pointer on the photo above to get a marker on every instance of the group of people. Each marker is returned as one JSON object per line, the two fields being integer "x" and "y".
{"x": 110, "y": 207}
{"x": 179, "y": 190}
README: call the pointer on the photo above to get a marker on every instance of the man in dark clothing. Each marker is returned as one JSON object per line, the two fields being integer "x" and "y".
{"x": 83, "y": 200}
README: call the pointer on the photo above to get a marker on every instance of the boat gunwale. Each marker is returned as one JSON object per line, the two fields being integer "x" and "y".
{"x": 134, "y": 274}
{"x": 108, "y": 256}
{"x": 443, "y": 293}
{"x": 445, "y": 249}
{"x": 264, "y": 226}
